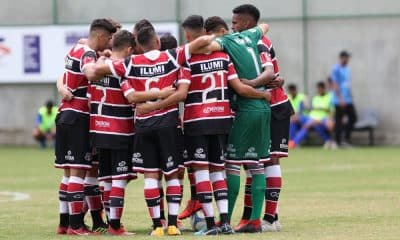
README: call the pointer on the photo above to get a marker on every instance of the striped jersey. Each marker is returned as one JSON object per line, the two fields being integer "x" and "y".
{"x": 207, "y": 108}
{"x": 280, "y": 105}
{"x": 153, "y": 71}
{"x": 111, "y": 115}
{"x": 76, "y": 82}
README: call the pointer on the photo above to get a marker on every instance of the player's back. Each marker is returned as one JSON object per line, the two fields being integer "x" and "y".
{"x": 207, "y": 109}
{"x": 154, "y": 71}
{"x": 76, "y": 82}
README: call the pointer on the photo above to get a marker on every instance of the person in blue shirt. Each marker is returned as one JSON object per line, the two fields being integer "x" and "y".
{"x": 342, "y": 99}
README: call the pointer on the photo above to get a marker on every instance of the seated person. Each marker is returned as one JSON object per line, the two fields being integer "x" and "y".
{"x": 45, "y": 129}
{"x": 299, "y": 103}
{"x": 320, "y": 118}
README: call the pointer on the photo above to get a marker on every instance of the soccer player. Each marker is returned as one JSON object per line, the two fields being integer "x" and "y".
{"x": 168, "y": 42}
{"x": 249, "y": 138}
{"x": 320, "y": 118}
{"x": 298, "y": 101}
{"x": 246, "y": 17}
{"x": 207, "y": 122}
{"x": 73, "y": 153}
{"x": 156, "y": 144}
{"x": 111, "y": 132}
{"x": 45, "y": 129}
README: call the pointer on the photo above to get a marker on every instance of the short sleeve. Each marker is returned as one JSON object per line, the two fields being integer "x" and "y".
{"x": 126, "y": 87}
{"x": 266, "y": 60}
{"x": 184, "y": 75}
{"x": 255, "y": 34}
{"x": 87, "y": 58}
{"x": 221, "y": 42}
{"x": 118, "y": 67}
{"x": 231, "y": 71}
{"x": 334, "y": 74}
{"x": 182, "y": 54}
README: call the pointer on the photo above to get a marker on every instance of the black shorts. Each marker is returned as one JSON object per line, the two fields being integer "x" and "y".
{"x": 158, "y": 150}
{"x": 115, "y": 164}
{"x": 279, "y": 137}
{"x": 205, "y": 150}
{"x": 72, "y": 144}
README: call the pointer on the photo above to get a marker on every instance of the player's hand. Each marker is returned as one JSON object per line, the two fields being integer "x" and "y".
{"x": 144, "y": 108}
{"x": 65, "y": 94}
{"x": 277, "y": 82}
{"x": 342, "y": 103}
{"x": 166, "y": 92}
{"x": 105, "y": 53}
{"x": 267, "y": 96}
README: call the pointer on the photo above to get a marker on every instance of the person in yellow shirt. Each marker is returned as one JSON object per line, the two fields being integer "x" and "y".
{"x": 45, "y": 129}
{"x": 299, "y": 104}
{"x": 320, "y": 118}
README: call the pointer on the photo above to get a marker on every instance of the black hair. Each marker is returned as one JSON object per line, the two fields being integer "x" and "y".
{"x": 248, "y": 9}
{"x": 49, "y": 103}
{"x": 145, "y": 35}
{"x": 321, "y": 84}
{"x": 102, "y": 24}
{"x": 123, "y": 39}
{"x": 344, "y": 53}
{"x": 212, "y": 23}
{"x": 115, "y": 23}
{"x": 168, "y": 42}
{"x": 292, "y": 87}
{"x": 193, "y": 22}
{"x": 141, "y": 24}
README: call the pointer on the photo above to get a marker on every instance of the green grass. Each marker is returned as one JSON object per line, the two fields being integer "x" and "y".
{"x": 349, "y": 194}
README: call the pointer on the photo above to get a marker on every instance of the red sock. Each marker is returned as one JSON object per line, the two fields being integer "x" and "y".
{"x": 272, "y": 192}
{"x": 152, "y": 196}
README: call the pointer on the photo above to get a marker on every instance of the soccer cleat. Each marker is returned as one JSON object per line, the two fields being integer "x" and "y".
{"x": 211, "y": 232}
{"x": 291, "y": 144}
{"x": 158, "y": 232}
{"x": 268, "y": 227}
{"x": 61, "y": 230}
{"x": 81, "y": 232}
{"x": 173, "y": 231}
{"x": 278, "y": 225}
{"x": 241, "y": 224}
{"x": 253, "y": 226}
{"x": 192, "y": 207}
{"x": 101, "y": 229}
{"x": 226, "y": 228}
{"x": 119, "y": 232}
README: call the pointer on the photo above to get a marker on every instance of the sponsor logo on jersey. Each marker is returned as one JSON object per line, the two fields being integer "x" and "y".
{"x": 69, "y": 156}
{"x": 185, "y": 154}
{"x": 210, "y": 66}
{"x": 199, "y": 154}
{"x": 230, "y": 148}
{"x": 284, "y": 144}
{"x": 215, "y": 109}
{"x": 170, "y": 163}
{"x": 103, "y": 124}
{"x": 151, "y": 71}
{"x": 88, "y": 156}
{"x": 137, "y": 158}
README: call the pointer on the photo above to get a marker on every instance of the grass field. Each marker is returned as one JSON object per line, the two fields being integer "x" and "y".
{"x": 349, "y": 194}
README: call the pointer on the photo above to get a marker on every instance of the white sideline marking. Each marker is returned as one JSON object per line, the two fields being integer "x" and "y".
{"x": 16, "y": 196}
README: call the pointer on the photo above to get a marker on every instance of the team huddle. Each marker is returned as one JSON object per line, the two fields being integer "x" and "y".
{"x": 136, "y": 103}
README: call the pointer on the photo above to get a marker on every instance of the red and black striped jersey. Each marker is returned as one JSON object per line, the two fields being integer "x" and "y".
{"x": 207, "y": 108}
{"x": 76, "y": 82}
{"x": 111, "y": 115}
{"x": 152, "y": 71}
{"x": 280, "y": 105}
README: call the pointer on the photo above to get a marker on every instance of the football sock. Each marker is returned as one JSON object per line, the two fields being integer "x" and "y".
{"x": 152, "y": 196}
{"x": 174, "y": 197}
{"x": 106, "y": 197}
{"x": 257, "y": 192}
{"x": 63, "y": 202}
{"x": 75, "y": 201}
{"x": 162, "y": 211}
{"x": 233, "y": 182}
{"x": 204, "y": 194}
{"x": 117, "y": 196}
{"x": 247, "y": 197}
{"x": 93, "y": 199}
{"x": 220, "y": 194}
{"x": 193, "y": 195}
{"x": 273, "y": 176}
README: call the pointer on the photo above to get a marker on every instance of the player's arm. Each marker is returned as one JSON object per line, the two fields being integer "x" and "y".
{"x": 178, "y": 96}
{"x": 63, "y": 90}
{"x": 96, "y": 71}
{"x": 204, "y": 44}
{"x": 264, "y": 28}
{"x": 247, "y": 91}
{"x": 263, "y": 79}
{"x": 139, "y": 97}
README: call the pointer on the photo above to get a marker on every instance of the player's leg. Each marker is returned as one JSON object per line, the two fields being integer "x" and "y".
{"x": 301, "y": 134}
{"x": 352, "y": 118}
{"x": 63, "y": 203}
{"x": 170, "y": 157}
{"x": 247, "y": 203}
{"x": 339, "y": 114}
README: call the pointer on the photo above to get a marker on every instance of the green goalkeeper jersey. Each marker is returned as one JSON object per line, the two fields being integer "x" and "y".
{"x": 242, "y": 49}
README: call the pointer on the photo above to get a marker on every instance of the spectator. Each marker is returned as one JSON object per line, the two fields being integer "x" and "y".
{"x": 320, "y": 118}
{"x": 343, "y": 100}
{"x": 45, "y": 129}
{"x": 299, "y": 102}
